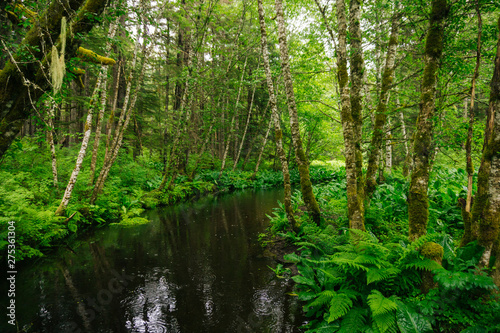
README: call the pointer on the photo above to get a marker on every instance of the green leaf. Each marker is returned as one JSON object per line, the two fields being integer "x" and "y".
{"x": 340, "y": 304}
{"x": 409, "y": 321}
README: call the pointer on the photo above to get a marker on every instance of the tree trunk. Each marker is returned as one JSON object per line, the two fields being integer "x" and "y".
{"x": 52, "y": 144}
{"x": 470, "y": 230}
{"x": 275, "y": 119}
{"x": 246, "y": 128}
{"x": 259, "y": 159}
{"x": 123, "y": 122}
{"x": 83, "y": 149}
{"x": 302, "y": 162}
{"x": 355, "y": 205}
{"x": 381, "y": 113}
{"x": 231, "y": 127}
{"x": 418, "y": 202}
{"x": 486, "y": 207}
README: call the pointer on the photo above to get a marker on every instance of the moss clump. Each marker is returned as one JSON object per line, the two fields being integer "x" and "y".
{"x": 91, "y": 56}
{"x": 432, "y": 251}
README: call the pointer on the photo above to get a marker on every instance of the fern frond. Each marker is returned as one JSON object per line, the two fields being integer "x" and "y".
{"x": 340, "y": 304}
{"x": 385, "y": 322}
{"x": 342, "y": 261}
{"x": 353, "y": 321}
{"x": 377, "y": 275}
{"x": 379, "y": 304}
{"x": 323, "y": 298}
{"x": 423, "y": 264}
{"x": 368, "y": 259}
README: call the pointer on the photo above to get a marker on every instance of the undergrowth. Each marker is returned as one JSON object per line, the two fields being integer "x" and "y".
{"x": 353, "y": 281}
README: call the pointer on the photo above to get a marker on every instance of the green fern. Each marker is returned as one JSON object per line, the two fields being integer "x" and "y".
{"x": 354, "y": 321}
{"x": 381, "y": 274}
{"x": 340, "y": 304}
{"x": 383, "y": 310}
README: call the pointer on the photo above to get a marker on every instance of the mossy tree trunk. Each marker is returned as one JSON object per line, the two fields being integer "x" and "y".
{"x": 418, "y": 202}
{"x": 486, "y": 207}
{"x": 357, "y": 68}
{"x": 275, "y": 121}
{"x": 470, "y": 231}
{"x": 23, "y": 81}
{"x": 355, "y": 205}
{"x": 381, "y": 113}
{"x": 300, "y": 156}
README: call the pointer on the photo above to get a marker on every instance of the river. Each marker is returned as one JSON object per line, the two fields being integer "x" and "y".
{"x": 196, "y": 267}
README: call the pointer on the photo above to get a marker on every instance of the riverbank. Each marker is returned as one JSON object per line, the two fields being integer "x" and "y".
{"x": 28, "y": 197}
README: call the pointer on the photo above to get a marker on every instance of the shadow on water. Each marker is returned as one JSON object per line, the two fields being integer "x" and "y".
{"x": 195, "y": 268}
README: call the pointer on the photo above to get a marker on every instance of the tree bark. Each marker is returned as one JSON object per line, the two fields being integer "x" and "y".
{"x": 355, "y": 205}
{"x": 83, "y": 149}
{"x": 275, "y": 119}
{"x": 418, "y": 201}
{"x": 486, "y": 207}
{"x": 381, "y": 113}
{"x": 301, "y": 158}
{"x": 102, "y": 108}
{"x": 470, "y": 230}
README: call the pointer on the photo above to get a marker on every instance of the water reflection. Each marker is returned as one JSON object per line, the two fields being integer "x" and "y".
{"x": 195, "y": 268}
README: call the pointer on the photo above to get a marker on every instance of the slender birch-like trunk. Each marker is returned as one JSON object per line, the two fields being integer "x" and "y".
{"x": 470, "y": 230}
{"x": 278, "y": 134}
{"x": 486, "y": 206}
{"x": 102, "y": 108}
{"x": 407, "y": 161}
{"x": 259, "y": 159}
{"x": 300, "y": 156}
{"x": 97, "y": 136}
{"x": 231, "y": 127}
{"x": 111, "y": 118}
{"x": 381, "y": 113}
{"x": 52, "y": 144}
{"x": 246, "y": 128}
{"x": 181, "y": 124}
{"x": 81, "y": 154}
{"x": 418, "y": 201}
{"x": 122, "y": 122}
{"x": 388, "y": 148}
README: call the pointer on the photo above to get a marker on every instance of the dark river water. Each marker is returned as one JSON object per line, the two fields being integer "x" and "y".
{"x": 196, "y": 267}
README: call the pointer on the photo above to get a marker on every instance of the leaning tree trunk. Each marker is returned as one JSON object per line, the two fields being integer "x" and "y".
{"x": 381, "y": 113}
{"x": 355, "y": 205}
{"x": 83, "y": 150}
{"x": 123, "y": 122}
{"x": 470, "y": 230}
{"x": 102, "y": 108}
{"x": 418, "y": 201}
{"x": 275, "y": 120}
{"x": 300, "y": 156}
{"x": 486, "y": 207}
{"x": 259, "y": 159}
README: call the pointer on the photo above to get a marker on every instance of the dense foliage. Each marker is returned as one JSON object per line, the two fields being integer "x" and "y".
{"x": 354, "y": 281}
